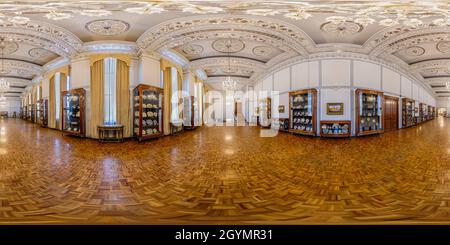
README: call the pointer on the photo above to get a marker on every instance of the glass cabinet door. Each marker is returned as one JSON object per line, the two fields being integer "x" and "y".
{"x": 370, "y": 112}
{"x": 302, "y": 112}
{"x": 151, "y": 112}
{"x": 71, "y": 112}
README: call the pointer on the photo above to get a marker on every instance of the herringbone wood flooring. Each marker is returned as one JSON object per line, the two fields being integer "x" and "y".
{"x": 225, "y": 175}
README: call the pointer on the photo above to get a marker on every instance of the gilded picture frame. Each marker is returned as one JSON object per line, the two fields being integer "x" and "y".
{"x": 335, "y": 108}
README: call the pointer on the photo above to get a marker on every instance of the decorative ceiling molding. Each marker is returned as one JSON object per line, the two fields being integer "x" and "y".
{"x": 55, "y": 64}
{"x": 290, "y": 35}
{"x": 404, "y": 38}
{"x": 110, "y": 46}
{"x": 64, "y": 42}
{"x": 235, "y": 61}
{"x": 107, "y": 27}
{"x": 437, "y": 65}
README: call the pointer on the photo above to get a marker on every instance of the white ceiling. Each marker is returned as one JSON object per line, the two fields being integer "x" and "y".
{"x": 190, "y": 28}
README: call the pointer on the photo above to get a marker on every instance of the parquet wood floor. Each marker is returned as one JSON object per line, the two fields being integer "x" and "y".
{"x": 224, "y": 175}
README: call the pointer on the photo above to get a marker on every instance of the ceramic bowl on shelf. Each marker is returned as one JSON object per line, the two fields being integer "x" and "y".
{"x": 144, "y": 106}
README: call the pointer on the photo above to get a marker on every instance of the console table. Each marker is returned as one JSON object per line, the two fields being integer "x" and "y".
{"x": 110, "y": 133}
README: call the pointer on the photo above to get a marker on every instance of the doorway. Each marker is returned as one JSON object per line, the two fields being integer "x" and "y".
{"x": 390, "y": 113}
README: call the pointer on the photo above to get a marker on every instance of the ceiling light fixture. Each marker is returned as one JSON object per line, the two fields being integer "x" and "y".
{"x": 229, "y": 83}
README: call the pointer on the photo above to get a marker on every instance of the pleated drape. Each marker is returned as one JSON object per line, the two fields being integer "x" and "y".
{"x": 123, "y": 96}
{"x": 97, "y": 94}
{"x": 52, "y": 104}
{"x": 63, "y": 85}
{"x": 167, "y": 99}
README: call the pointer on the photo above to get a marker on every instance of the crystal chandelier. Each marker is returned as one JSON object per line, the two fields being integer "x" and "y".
{"x": 4, "y": 84}
{"x": 229, "y": 83}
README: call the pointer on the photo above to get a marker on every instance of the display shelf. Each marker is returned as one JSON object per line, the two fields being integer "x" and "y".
{"x": 369, "y": 112}
{"x": 265, "y": 112}
{"x": 38, "y": 112}
{"x": 302, "y": 111}
{"x": 148, "y": 112}
{"x": 281, "y": 123}
{"x": 190, "y": 112}
{"x": 338, "y": 129}
{"x": 31, "y": 116}
{"x": 72, "y": 111}
{"x": 43, "y": 113}
{"x": 407, "y": 113}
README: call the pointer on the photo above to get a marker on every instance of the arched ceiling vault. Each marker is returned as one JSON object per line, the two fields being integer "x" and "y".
{"x": 413, "y": 35}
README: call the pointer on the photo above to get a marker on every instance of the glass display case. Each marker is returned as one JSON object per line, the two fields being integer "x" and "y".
{"x": 190, "y": 112}
{"x": 369, "y": 112}
{"x": 148, "y": 112}
{"x": 281, "y": 123}
{"x": 335, "y": 128}
{"x": 43, "y": 112}
{"x": 302, "y": 111}
{"x": 407, "y": 112}
{"x": 424, "y": 114}
{"x": 38, "y": 112}
{"x": 431, "y": 113}
{"x": 31, "y": 116}
{"x": 73, "y": 109}
{"x": 265, "y": 112}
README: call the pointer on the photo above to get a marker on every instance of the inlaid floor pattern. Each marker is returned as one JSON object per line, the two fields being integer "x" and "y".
{"x": 225, "y": 175}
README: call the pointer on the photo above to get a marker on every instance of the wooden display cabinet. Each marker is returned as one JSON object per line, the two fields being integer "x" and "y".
{"x": 190, "y": 112}
{"x": 73, "y": 112}
{"x": 337, "y": 129}
{"x": 302, "y": 112}
{"x": 407, "y": 113}
{"x": 148, "y": 112}
{"x": 369, "y": 112}
{"x": 265, "y": 112}
{"x": 43, "y": 113}
{"x": 31, "y": 116}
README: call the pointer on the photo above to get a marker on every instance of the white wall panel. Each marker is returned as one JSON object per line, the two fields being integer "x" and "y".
{"x": 282, "y": 80}
{"x": 366, "y": 75}
{"x": 80, "y": 74}
{"x": 341, "y": 95}
{"x": 150, "y": 73}
{"x": 314, "y": 75}
{"x": 406, "y": 87}
{"x": 415, "y": 92}
{"x": 267, "y": 84}
{"x": 336, "y": 73}
{"x": 391, "y": 81}
{"x": 45, "y": 88}
{"x": 300, "y": 74}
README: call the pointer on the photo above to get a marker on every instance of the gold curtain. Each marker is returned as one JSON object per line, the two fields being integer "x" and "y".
{"x": 63, "y": 85}
{"x": 97, "y": 88}
{"x": 167, "y": 99}
{"x": 123, "y": 96}
{"x": 52, "y": 105}
{"x": 180, "y": 95}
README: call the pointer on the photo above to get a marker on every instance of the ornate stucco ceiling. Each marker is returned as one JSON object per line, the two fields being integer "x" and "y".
{"x": 413, "y": 34}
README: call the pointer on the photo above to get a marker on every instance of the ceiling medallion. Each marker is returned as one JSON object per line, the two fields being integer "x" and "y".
{"x": 415, "y": 51}
{"x": 262, "y": 51}
{"x": 192, "y": 49}
{"x": 39, "y": 53}
{"x": 107, "y": 27}
{"x": 228, "y": 45}
{"x": 342, "y": 27}
{"x": 9, "y": 47}
{"x": 443, "y": 47}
